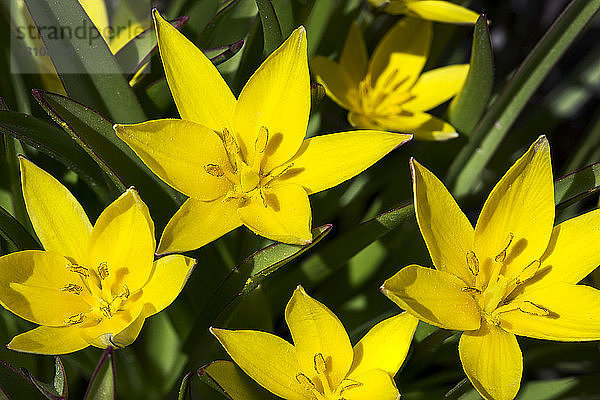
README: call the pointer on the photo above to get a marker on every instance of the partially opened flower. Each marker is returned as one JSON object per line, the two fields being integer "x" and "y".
{"x": 245, "y": 160}
{"x": 514, "y": 274}
{"x": 389, "y": 92}
{"x": 90, "y": 285}
{"x": 322, "y": 364}
{"x": 432, "y": 10}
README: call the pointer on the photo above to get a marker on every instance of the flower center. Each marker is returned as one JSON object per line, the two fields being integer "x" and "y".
{"x": 385, "y": 98}
{"x": 491, "y": 295}
{"x": 320, "y": 387}
{"x": 94, "y": 287}
{"x": 246, "y": 173}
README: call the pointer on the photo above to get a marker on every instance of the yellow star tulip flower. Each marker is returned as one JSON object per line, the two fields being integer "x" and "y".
{"x": 514, "y": 274}
{"x": 432, "y": 10}
{"x": 244, "y": 161}
{"x": 389, "y": 92}
{"x": 322, "y": 364}
{"x": 91, "y": 285}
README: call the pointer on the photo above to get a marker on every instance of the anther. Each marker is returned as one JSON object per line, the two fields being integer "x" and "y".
{"x": 214, "y": 170}
{"x": 502, "y": 255}
{"x": 79, "y": 270}
{"x": 305, "y": 381}
{"x": 531, "y": 308}
{"x": 320, "y": 366}
{"x": 471, "y": 290}
{"x": 106, "y": 311}
{"x": 74, "y": 319}
{"x": 103, "y": 270}
{"x": 349, "y": 384}
{"x": 473, "y": 262}
{"x": 260, "y": 145}
{"x": 72, "y": 288}
{"x": 125, "y": 293}
{"x": 231, "y": 147}
{"x": 286, "y": 169}
{"x": 528, "y": 272}
{"x": 262, "y": 196}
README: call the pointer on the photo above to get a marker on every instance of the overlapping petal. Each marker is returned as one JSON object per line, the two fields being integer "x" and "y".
{"x": 201, "y": 96}
{"x": 30, "y": 286}
{"x": 441, "y": 11}
{"x": 354, "y": 59}
{"x": 123, "y": 239}
{"x": 338, "y": 84}
{"x": 49, "y": 340}
{"x": 281, "y": 213}
{"x": 563, "y": 311}
{"x": 328, "y": 160}
{"x": 186, "y": 155}
{"x": 435, "y": 297}
{"x": 422, "y": 126}
{"x": 197, "y": 223}
{"x": 266, "y": 358}
{"x": 385, "y": 346}
{"x": 492, "y": 360}
{"x": 57, "y": 217}
{"x": 520, "y": 212}
{"x": 445, "y": 228}
{"x": 375, "y": 384}
{"x": 315, "y": 329}
{"x": 436, "y": 86}
{"x": 276, "y": 97}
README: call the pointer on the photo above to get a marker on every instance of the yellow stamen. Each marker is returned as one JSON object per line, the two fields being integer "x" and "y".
{"x": 502, "y": 255}
{"x": 305, "y": 381}
{"x": 320, "y": 366}
{"x": 231, "y": 147}
{"x": 103, "y": 271}
{"x": 528, "y": 272}
{"x": 473, "y": 262}
{"x": 79, "y": 270}
{"x": 74, "y": 319}
{"x": 214, "y": 170}
{"x": 348, "y": 384}
{"x": 471, "y": 290}
{"x": 531, "y": 308}
{"x": 260, "y": 145}
{"x": 72, "y": 288}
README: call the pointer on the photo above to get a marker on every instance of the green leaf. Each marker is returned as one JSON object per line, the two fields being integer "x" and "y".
{"x": 137, "y": 51}
{"x": 185, "y": 388}
{"x": 272, "y": 33}
{"x": 226, "y": 378}
{"x": 470, "y": 162}
{"x": 14, "y": 384}
{"x": 468, "y": 106}
{"x": 95, "y": 134}
{"x": 245, "y": 277}
{"x": 577, "y": 185}
{"x": 52, "y": 141}
{"x": 208, "y": 33}
{"x": 88, "y": 69}
{"x": 57, "y": 390}
{"x": 221, "y": 54}
{"x": 14, "y": 232}
{"x": 103, "y": 382}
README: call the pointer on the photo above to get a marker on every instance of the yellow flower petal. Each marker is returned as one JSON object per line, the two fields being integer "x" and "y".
{"x": 106, "y": 332}
{"x": 129, "y": 334}
{"x": 47, "y": 340}
{"x": 266, "y": 358}
{"x": 197, "y": 223}
{"x": 436, "y": 86}
{"x": 401, "y": 55}
{"x": 57, "y": 217}
{"x": 385, "y": 346}
{"x": 492, "y": 360}
{"x": 573, "y": 314}
{"x": 422, "y": 126}
{"x": 199, "y": 91}
{"x": 31, "y": 283}
{"x": 188, "y": 156}
{"x": 277, "y": 97}
{"x": 328, "y": 160}
{"x": 519, "y": 213}
{"x": 123, "y": 241}
{"x": 354, "y": 59}
{"x": 441, "y": 11}
{"x": 316, "y": 330}
{"x": 169, "y": 275}
{"x": 445, "y": 228}
{"x": 573, "y": 252}
{"x": 232, "y": 380}
{"x": 375, "y": 384}
{"x": 284, "y": 215}
{"x": 96, "y": 11}
{"x": 435, "y": 297}
{"x": 338, "y": 85}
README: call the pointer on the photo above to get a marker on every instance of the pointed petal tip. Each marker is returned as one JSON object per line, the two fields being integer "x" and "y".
{"x": 403, "y": 139}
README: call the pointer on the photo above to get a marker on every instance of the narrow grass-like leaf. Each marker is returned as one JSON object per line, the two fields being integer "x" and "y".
{"x": 577, "y": 185}
{"x": 272, "y": 34}
{"x": 184, "y": 387}
{"x": 470, "y": 162}
{"x": 246, "y": 276}
{"x": 95, "y": 134}
{"x": 226, "y": 378}
{"x": 52, "y": 141}
{"x": 14, "y": 384}
{"x": 208, "y": 33}
{"x": 88, "y": 69}
{"x": 14, "y": 232}
{"x": 468, "y": 106}
{"x": 103, "y": 381}
{"x": 138, "y": 50}
{"x": 221, "y": 54}
{"x": 57, "y": 390}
